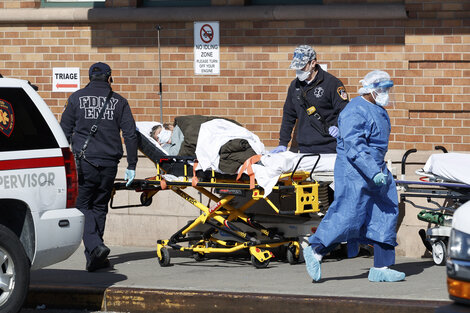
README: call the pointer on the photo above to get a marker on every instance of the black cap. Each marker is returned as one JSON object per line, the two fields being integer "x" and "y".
{"x": 99, "y": 69}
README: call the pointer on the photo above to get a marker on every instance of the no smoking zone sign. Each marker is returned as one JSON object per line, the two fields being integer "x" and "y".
{"x": 206, "y": 48}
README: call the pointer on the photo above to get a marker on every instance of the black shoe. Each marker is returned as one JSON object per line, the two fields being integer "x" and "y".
{"x": 98, "y": 258}
{"x": 103, "y": 265}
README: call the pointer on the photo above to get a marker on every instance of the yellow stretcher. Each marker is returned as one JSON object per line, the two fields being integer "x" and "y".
{"x": 222, "y": 217}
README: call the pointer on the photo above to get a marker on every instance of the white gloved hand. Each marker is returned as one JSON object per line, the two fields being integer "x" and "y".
{"x": 380, "y": 179}
{"x": 129, "y": 176}
{"x": 333, "y": 131}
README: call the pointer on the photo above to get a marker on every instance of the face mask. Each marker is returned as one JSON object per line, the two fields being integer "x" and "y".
{"x": 381, "y": 98}
{"x": 164, "y": 136}
{"x": 302, "y": 75}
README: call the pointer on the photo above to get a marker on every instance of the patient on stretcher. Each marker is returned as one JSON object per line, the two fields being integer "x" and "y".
{"x": 159, "y": 135}
{"x": 217, "y": 143}
{"x": 222, "y": 145}
{"x": 168, "y": 137}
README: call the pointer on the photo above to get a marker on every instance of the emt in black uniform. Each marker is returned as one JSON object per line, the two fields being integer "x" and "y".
{"x": 314, "y": 100}
{"x": 97, "y": 162}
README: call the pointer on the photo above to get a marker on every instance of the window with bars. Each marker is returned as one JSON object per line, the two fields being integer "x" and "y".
{"x": 169, "y": 3}
{"x": 72, "y": 3}
{"x": 176, "y": 3}
{"x": 290, "y": 2}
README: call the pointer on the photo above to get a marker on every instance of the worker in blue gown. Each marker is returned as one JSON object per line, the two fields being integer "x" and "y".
{"x": 365, "y": 206}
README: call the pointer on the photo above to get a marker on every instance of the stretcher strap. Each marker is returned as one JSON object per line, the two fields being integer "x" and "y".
{"x": 247, "y": 166}
{"x": 194, "y": 179}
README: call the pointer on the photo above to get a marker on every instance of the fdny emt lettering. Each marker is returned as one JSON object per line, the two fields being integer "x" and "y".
{"x": 93, "y": 104}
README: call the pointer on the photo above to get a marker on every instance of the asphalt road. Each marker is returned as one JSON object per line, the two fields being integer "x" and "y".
{"x": 45, "y": 310}
{"x": 136, "y": 281}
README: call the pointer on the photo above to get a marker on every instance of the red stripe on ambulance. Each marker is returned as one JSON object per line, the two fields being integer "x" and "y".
{"x": 31, "y": 163}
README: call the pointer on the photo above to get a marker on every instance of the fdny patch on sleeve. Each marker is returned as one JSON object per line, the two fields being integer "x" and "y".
{"x": 342, "y": 93}
{"x": 7, "y": 118}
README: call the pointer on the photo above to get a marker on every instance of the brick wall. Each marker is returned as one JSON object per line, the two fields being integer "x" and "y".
{"x": 436, "y": 106}
{"x": 17, "y": 4}
{"x": 428, "y": 56}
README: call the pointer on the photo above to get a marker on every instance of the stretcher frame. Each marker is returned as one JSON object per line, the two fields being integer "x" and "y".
{"x": 431, "y": 187}
{"x": 223, "y": 217}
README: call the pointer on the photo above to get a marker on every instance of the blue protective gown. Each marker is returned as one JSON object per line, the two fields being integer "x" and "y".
{"x": 360, "y": 209}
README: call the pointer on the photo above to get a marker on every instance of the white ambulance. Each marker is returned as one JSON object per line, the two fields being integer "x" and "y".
{"x": 458, "y": 262}
{"x": 39, "y": 224}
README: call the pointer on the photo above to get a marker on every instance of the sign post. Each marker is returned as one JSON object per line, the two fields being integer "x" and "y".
{"x": 206, "y": 48}
{"x": 65, "y": 79}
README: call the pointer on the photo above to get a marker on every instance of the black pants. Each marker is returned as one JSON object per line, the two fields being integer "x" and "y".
{"x": 94, "y": 192}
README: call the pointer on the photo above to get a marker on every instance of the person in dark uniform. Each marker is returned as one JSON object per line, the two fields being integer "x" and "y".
{"x": 314, "y": 100}
{"x": 97, "y": 163}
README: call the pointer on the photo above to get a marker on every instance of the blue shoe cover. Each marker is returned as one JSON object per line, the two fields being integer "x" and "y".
{"x": 312, "y": 264}
{"x": 385, "y": 274}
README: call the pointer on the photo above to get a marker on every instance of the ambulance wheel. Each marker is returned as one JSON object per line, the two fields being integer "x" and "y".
{"x": 199, "y": 256}
{"x": 258, "y": 264}
{"x": 291, "y": 258}
{"x": 439, "y": 254}
{"x": 144, "y": 200}
{"x": 14, "y": 271}
{"x": 165, "y": 259}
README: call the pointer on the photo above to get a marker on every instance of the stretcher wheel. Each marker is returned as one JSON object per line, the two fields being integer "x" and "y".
{"x": 258, "y": 264}
{"x": 291, "y": 258}
{"x": 144, "y": 200}
{"x": 165, "y": 259}
{"x": 199, "y": 256}
{"x": 439, "y": 254}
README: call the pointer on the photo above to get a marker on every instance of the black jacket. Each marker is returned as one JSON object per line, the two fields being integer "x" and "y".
{"x": 327, "y": 94}
{"x": 80, "y": 114}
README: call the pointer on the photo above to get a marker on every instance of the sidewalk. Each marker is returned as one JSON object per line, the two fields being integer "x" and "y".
{"x": 138, "y": 284}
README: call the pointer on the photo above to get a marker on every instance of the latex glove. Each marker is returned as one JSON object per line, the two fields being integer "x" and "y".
{"x": 334, "y": 131}
{"x": 380, "y": 179}
{"x": 278, "y": 149}
{"x": 129, "y": 176}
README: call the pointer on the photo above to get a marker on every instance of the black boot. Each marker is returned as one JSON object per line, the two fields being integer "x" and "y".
{"x": 97, "y": 258}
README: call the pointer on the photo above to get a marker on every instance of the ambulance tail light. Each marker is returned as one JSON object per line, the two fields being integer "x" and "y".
{"x": 71, "y": 176}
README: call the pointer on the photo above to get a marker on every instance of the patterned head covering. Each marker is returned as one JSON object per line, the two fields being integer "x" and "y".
{"x": 302, "y": 55}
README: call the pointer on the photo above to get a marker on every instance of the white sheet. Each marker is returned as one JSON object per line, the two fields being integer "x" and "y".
{"x": 275, "y": 164}
{"x": 452, "y": 166}
{"x": 145, "y": 128}
{"x": 214, "y": 134}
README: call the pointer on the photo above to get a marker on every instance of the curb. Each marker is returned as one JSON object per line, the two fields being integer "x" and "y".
{"x": 69, "y": 297}
{"x": 160, "y": 300}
